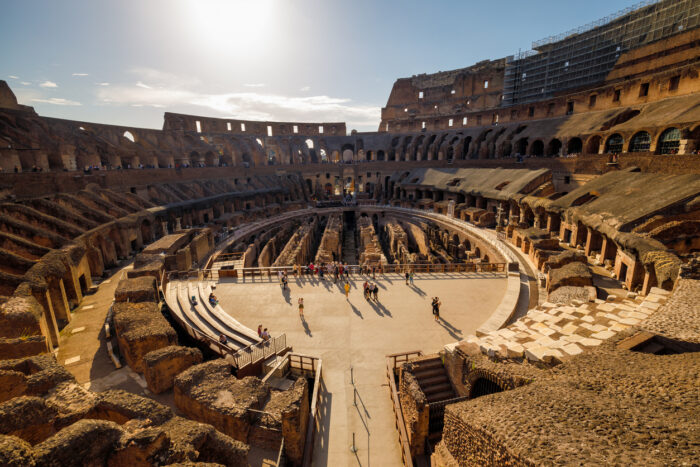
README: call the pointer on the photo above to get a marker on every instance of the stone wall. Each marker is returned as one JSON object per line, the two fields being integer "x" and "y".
{"x": 370, "y": 251}
{"x": 161, "y": 366}
{"x": 416, "y": 414}
{"x": 329, "y": 249}
{"x": 49, "y": 419}
{"x": 141, "y": 328}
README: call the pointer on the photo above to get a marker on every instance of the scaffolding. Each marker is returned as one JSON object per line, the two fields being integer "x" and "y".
{"x": 584, "y": 56}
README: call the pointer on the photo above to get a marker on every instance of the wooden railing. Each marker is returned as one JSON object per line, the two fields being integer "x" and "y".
{"x": 399, "y": 359}
{"x": 392, "y": 362}
{"x": 315, "y": 363}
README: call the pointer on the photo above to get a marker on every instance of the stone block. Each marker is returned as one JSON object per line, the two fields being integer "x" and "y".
{"x": 161, "y": 366}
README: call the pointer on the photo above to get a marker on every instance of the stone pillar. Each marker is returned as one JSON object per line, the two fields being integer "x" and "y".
{"x": 164, "y": 226}
{"x": 178, "y": 225}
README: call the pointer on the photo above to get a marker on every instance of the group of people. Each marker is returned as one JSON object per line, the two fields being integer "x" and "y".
{"x": 213, "y": 300}
{"x": 284, "y": 280}
{"x": 371, "y": 291}
{"x": 436, "y": 308}
{"x": 263, "y": 333}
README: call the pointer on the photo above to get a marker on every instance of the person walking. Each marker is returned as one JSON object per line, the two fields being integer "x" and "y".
{"x": 265, "y": 335}
{"x": 301, "y": 307}
{"x": 410, "y": 277}
{"x": 436, "y": 308}
{"x": 365, "y": 287}
{"x": 347, "y": 289}
{"x": 407, "y": 275}
{"x": 259, "y": 330}
{"x": 284, "y": 282}
{"x": 375, "y": 291}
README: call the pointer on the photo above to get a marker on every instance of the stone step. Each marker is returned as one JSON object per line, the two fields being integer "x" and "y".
{"x": 428, "y": 373}
{"x": 438, "y": 388}
{"x": 424, "y": 382}
{"x": 441, "y": 396}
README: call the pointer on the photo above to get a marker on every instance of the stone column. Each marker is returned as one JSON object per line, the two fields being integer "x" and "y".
{"x": 178, "y": 225}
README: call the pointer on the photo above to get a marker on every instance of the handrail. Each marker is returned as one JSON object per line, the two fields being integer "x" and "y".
{"x": 311, "y": 426}
{"x": 398, "y": 417}
{"x": 397, "y": 357}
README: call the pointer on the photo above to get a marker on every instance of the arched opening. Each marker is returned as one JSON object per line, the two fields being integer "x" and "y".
{"x": 324, "y": 155}
{"x": 574, "y": 146}
{"x": 477, "y": 252}
{"x": 506, "y": 149}
{"x": 465, "y": 147}
{"x": 537, "y": 148}
{"x": 380, "y": 155}
{"x": 368, "y": 155}
{"x": 483, "y": 387}
{"x": 593, "y": 145}
{"x": 247, "y": 160}
{"x": 210, "y": 159}
{"x": 485, "y": 259}
{"x": 347, "y": 155}
{"x": 640, "y": 142}
{"x": 614, "y": 143}
{"x": 129, "y": 136}
{"x": 521, "y": 146}
{"x": 669, "y": 141}
{"x": 554, "y": 147}
{"x": 328, "y": 189}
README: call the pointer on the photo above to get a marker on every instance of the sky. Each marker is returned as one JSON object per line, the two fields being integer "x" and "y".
{"x": 126, "y": 62}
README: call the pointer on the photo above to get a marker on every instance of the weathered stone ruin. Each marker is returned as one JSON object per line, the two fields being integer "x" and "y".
{"x": 370, "y": 250}
{"x": 246, "y": 409}
{"x": 48, "y": 419}
{"x": 329, "y": 249}
{"x": 590, "y": 181}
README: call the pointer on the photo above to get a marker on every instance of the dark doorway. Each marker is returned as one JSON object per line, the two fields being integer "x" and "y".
{"x": 483, "y": 387}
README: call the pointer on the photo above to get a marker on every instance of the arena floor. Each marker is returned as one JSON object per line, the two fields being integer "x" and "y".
{"x": 358, "y": 334}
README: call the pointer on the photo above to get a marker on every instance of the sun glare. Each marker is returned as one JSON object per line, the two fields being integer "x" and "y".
{"x": 232, "y": 25}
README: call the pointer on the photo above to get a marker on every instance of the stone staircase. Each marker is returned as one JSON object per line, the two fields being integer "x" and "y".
{"x": 552, "y": 333}
{"x": 349, "y": 251}
{"x": 433, "y": 380}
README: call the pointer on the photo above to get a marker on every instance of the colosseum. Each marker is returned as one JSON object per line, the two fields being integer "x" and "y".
{"x": 506, "y": 272}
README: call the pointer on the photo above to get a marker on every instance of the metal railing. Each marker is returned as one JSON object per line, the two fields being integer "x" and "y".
{"x": 354, "y": 269}
{"x": 259, "y": 351}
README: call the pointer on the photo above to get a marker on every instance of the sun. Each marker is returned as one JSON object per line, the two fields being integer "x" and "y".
{"x": 232, "y": 25}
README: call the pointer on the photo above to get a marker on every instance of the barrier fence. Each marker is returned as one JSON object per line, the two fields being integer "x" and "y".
{"x": 215, "y": 274}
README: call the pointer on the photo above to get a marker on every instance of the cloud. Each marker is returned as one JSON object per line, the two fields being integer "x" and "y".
{"x": 57, "y": 101}
{"x": 305, "y": 88}
{"x": 102, "y": 84}
{"x": 13, "y": 76}
{"x": 48, "y": 84}
{"x": 80, "y": 74}
{"x": 189, "y": 96}
{"x": 25, "y": 83}
{"x": 255, "y": 85}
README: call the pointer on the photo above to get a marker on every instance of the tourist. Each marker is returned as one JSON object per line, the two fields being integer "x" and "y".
{"x": 365, "y": 287}
{"x": 347, "y": 289}
{"x": 194, "y": 300}
{"x": 347, "y": 273}
{"x": 320, "y": 272}
{"x": 410, "y": 277}
{"x": 265, "y": 335}
{"x": 284, "y": 281}
{"x": 259, "y": 330}
{"x": 436, "y": 308}
{"x": 222, "y": 339}
{"x": 407, "y": 277}
{"x": 301, "y": 306}
{"x": 375, "y": 292}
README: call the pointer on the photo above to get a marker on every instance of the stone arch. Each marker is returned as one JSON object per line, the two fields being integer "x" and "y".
{"x": 554, "y": 147}
{"x": 380, "y": 155}
{"x": 640, "y": 142}
{"x": 614, "y": 143}
{"x": 536, "y": 148}
{"x": 477, "y": 252}
{"x": 521, "y": 146}
{"x": 506, "y": 149}
{"x": 574, "y": 146}
{"x": 483, "y": 386}
{"x": 211, "y": 159}
{"x": 593, "y": 144}
{"x": 669, "y": 141}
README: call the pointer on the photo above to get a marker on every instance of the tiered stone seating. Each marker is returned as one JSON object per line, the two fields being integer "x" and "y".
{"x": 551, "y": 333}
{"x": 205, "y": 318}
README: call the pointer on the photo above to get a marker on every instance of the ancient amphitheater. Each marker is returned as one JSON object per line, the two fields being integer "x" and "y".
{"x": 551, "y": 200}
